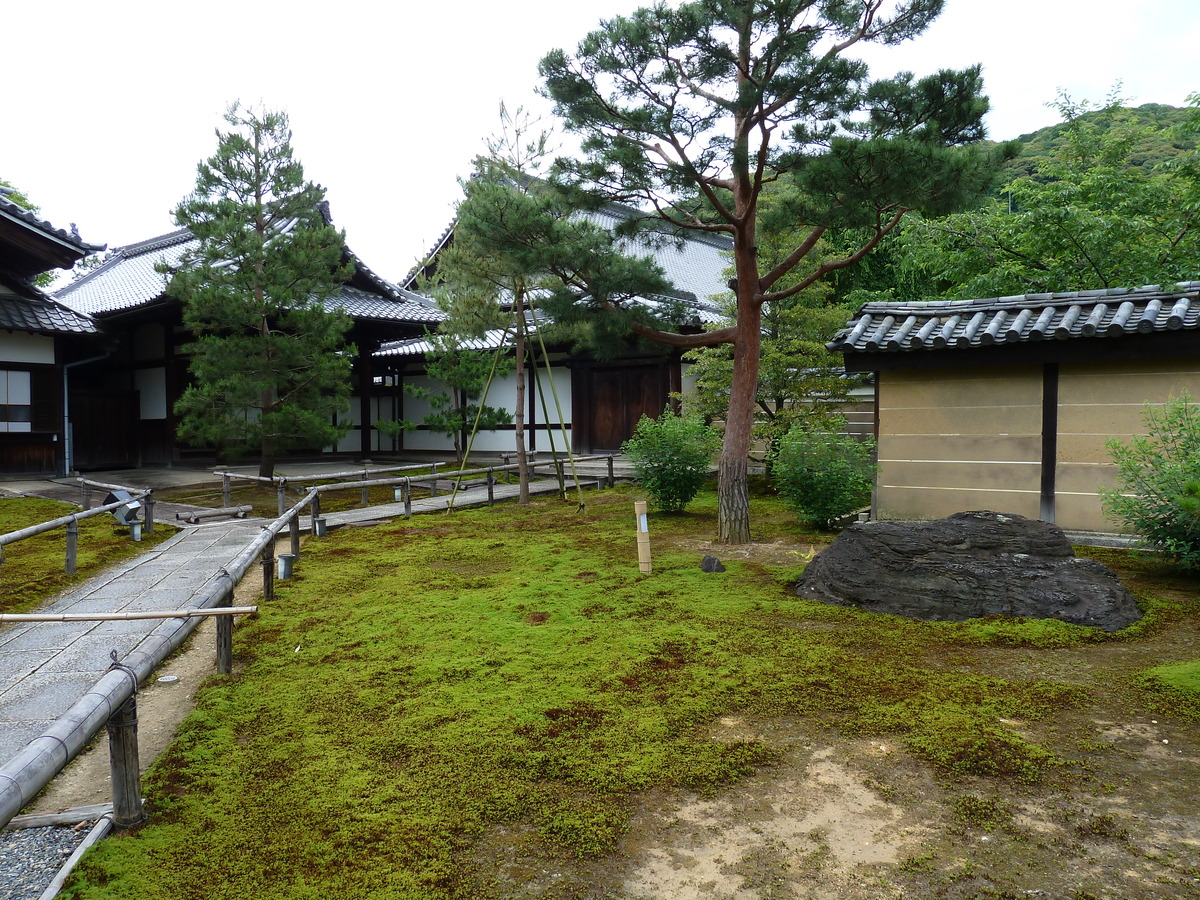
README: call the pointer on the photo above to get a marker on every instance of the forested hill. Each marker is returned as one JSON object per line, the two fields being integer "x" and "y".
{"x": 1154, "y": 145}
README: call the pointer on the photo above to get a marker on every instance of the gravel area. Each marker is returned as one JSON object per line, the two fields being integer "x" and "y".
{"x": 31, "y": 857}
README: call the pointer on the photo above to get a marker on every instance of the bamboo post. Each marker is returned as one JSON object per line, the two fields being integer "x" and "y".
{"x": 612, "y": 481}
{"x": 123, "y": 762}
{"x": 643, "y": 536}
{"x": 491, "y": 481}
{"x": 268, "y": 570}
{"x": 226, "y": 493}
{"x": 281, "y": 492}
{"x": 225, "y": 640}
{"x": 149, "y": 501}
{"x": 407, "y": 498}
{"x": 72, "y": 546}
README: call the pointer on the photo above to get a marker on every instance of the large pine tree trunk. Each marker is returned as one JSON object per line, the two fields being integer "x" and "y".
{"x": 519, "y": 413}
{"x": 733, "y": 489}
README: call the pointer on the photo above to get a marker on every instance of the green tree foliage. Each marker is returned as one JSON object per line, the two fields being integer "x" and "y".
{"x": 464, "y": 375}
{"x": 1157, "y": 496}
{"x": 519, "y": 244}
{"x": 1088, "y": 218}
{"x": 823, "y": 474}
{"x": 270, "y": 366}
{"x": 692, "y": 110}
{"x": 671, "y": 457}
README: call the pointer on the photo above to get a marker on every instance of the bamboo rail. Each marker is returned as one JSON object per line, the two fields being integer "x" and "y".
{"x": 128, "y": 616}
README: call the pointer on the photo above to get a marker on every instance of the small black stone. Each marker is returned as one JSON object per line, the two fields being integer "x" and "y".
{"x": 711, "y": 564}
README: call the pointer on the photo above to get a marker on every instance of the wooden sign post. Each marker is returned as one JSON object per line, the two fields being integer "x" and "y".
{"x": 643, "y": 536}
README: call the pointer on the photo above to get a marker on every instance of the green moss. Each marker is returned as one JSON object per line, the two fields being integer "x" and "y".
{"x": 426, "y": 687}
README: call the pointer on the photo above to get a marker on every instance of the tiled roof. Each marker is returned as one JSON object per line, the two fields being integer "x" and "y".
{"x": 27, "y": 308}
{"x": 407, "y": 307}
{"x": 695, "y": 263}
{"x": 961, "y": 324}
{"x": 128, "y": 278}
{"x": 492, "y": 340}
{"x": 11, "y": 209}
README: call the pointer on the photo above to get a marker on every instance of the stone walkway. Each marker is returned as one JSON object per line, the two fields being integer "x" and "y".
{"x": 45, "y": 667}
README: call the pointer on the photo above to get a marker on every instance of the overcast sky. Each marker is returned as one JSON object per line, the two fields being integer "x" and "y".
{"x": 108, "y": 108}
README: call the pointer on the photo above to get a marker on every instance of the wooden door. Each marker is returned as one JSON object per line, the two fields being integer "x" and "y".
{"x": 618, "y": 397}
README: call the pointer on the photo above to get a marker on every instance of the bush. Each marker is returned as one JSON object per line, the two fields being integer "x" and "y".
{"x": 1158, "y": 481}
{"x": 671, "y": 456}
{"x": 823, "y": 475}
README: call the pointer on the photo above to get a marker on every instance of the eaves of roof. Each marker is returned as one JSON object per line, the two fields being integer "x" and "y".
{"x": 897, "y": 327}
{"x": 30, "y": 309}
{"x": 60, "y": 235}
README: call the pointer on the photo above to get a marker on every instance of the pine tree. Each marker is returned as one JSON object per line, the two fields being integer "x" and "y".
{"x": 270, "y": 365}
{"x": 692, "y": 109}
{"x": 519, "y": 243}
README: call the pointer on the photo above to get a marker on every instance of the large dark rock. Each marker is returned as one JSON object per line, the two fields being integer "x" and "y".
{"x": 965, "y": 566}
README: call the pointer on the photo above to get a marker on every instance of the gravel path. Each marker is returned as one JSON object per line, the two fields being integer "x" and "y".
{"x": 31, "y": 857}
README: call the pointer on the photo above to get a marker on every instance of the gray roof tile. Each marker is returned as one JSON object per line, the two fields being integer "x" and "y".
{"x": 128, "y": 278}
{"x": 27, "y": 308}
{"x": 898, "y": 327}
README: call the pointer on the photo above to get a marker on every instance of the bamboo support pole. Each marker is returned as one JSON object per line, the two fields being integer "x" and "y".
{"x": 643, "y": 535}
{"x": 196, "y": 613}
{"x": 123, "y": 760}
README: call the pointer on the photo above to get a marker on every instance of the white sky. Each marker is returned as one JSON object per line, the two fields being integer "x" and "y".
{"x": 107, "y": 109}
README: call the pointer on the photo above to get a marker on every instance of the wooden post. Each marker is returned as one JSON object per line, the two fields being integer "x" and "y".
{"x": 433, "y": 481}
{"x": 225, "y": 490}
{"x": 643, "y": 535}
{"x": 491, "y": 480}
{"x": 72, "y": 545}
{"x": 294, "y": 534}
{"x": 558, "y": 473}
{"x": 612, "y": 481}
{"x": 268, "y": 567}
{"x": 282, "y": 494}
{"x": 149, "y": 501}
{"x": 366, "y": 492}
{"x": 407, "y": 498}
{"x": 225, "y": 639}
{"x": 123, "y": 762}
{"x": 315, "y": 510}
{"x": 87, "y": 497}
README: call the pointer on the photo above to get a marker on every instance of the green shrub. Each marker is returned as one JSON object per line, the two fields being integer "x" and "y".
{"x": 822, "y": 474}
{"x": 671, "y": 456}
{"x": 1158, "y": 481}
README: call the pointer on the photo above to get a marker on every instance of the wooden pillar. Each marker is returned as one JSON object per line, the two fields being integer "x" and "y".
{"x": 1049, "y": 440}
{"x": 123, "y": 761}
{"x": 268, "y": 568}
{"x": 72, "y": 546}
{"x": 225, "y": 639}
{"x": 365, "y": 386}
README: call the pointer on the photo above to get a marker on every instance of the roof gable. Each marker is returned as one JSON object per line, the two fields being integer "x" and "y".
{"x": 30, "y": 245}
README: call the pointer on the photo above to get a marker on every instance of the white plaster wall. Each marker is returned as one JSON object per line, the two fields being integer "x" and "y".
{"x": 26, "y": 348}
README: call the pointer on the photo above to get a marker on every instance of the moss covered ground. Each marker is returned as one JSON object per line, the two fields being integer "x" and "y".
{"x": 426, "y": 688}
{"x": 33, "y": 569}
